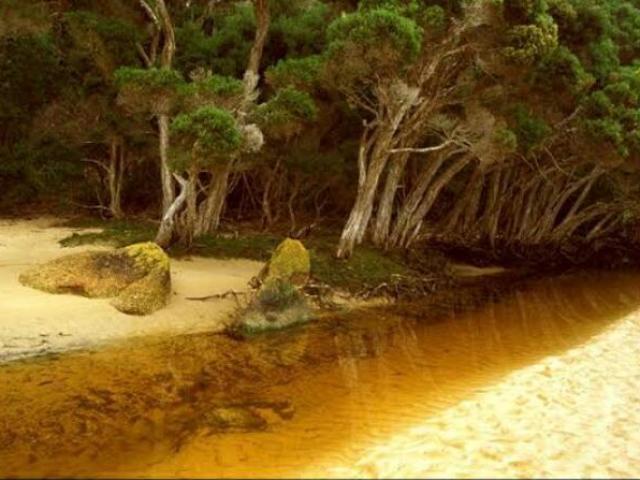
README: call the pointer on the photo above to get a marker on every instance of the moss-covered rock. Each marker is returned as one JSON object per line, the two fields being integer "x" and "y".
{"x": 279, "y": 301}
{"x": 137, "y": 277}
{"x": 277, "y": 305}
{"x": 290, "y": 261}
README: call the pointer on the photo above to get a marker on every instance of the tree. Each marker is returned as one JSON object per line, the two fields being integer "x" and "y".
{"x": 398, "y": 73}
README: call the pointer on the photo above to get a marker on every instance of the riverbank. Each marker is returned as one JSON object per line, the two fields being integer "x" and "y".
{"x": 34, "y": 322}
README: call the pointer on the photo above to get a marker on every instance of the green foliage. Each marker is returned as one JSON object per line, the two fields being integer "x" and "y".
{"x": 378, "y": 28}
{"x": 369, "y": 44}
{"x": 301, "y": 32}
{"x": 603, "y": 58}
{"x": 284, "y": 114}
{"x": 148, "y": 89}
{"x": 431, "y": 17}
{"x": 148, "y": 78}
{"x": 301, "y": 73}
{"x": 562, "y": 71}
{"x": 529, "y": 43}
{"x": 46, "y": 169}
{"x": 563, "y": 13}
{"x": 523, "y": 11}
{"x": 213, "y": 90}
{"x": 225, "y": 52}
{"x": 205, "y": 136}
{"x": 613, "y": 113}
{"x": 221, "y": 85}
{"x": 108, "y": 42}
{"x": 31, "y": 74}
{"x": 529, "y": 129}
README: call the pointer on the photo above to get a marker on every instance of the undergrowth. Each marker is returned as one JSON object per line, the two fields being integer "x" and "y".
{"x": 367, "y": 267}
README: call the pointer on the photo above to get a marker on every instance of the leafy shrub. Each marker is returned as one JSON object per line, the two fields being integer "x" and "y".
{"x": 206, "y": 135}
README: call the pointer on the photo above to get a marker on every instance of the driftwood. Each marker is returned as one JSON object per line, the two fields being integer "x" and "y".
{"x": 218, "y": 296}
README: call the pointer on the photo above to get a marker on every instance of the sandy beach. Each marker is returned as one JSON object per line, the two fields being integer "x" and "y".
{"x": 574, "y": 415}
{"x": 33, "y": 322}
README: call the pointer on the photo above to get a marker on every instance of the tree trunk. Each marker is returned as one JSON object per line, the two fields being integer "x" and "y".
{"x": 115, "y": 173}
{"x": 410, "y": 232}
{"x": 385, "y": 206}
{"x": 267, "y": 213}
{"x": 251, "y": 74}
{"x": 295, "y": 190}
{"x": 188, "y": 228}
{"x": 360, "y": 215}
{"x": 168, "y": 188}
{"x": 466, "y": 207}
{"x": 211, "y": 211}
{"x": 167, "y": 225}
{"x": 415, "y": 196}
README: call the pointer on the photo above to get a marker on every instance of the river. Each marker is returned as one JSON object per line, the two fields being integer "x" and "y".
{"x": 542, "y": 381}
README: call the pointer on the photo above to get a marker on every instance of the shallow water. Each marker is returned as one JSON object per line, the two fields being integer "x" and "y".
{"x": 278, "y": 405}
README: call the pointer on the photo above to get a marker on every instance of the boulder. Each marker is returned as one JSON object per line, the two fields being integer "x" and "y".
{"x": 137, "y": 277}
{"x": 279, "y": 302}
{"x": 290, "y": 261}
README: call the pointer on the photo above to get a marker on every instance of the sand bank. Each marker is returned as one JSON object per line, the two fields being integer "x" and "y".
{"x": 574, "y": 415}
{"x": 33, "y": 322}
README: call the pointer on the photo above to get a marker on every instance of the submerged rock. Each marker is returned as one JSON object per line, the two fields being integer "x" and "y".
{"x": 137, "y": 277}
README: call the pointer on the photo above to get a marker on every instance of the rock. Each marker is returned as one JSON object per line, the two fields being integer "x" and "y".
{"x": 290, "y": 261}
{"x": 235, "y": 419}
{"x": 279, "y": 302}
{"x": 137, "y": 277}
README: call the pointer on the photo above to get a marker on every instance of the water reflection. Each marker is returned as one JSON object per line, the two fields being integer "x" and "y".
{"x": 206, "y": 405}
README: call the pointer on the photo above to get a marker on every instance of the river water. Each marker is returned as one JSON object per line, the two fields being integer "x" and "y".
{"x": 331, "y": 398}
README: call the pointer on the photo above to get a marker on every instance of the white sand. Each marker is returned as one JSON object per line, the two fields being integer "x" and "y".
{"x": 575, "y": 415}
{"x": 34, "y": 322}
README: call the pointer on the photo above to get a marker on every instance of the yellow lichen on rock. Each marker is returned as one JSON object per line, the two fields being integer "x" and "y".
{"x": 91, "y": 274}
{"x": 148, "y": 255}
{"x": 145, "y": 296}
{"x": 138, "y": 276}
{"x": 290, "y": 261}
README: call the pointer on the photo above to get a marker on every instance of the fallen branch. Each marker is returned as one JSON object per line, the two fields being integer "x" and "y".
{"x": 230, "y": 293}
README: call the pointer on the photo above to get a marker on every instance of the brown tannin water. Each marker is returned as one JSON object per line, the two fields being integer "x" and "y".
{"x": 286, "y": 404}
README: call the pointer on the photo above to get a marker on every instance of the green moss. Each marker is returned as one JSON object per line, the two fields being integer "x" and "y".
{"x": 290, "y": 261}
{"x": 251, "y": 246}
{"x": 116, "y": 233}
{"x": 366, "y": 267}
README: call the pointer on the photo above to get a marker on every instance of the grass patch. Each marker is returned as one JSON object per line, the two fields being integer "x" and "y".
{"x": 367, "y": 266}
{"x": 116, "y": 233}
{"x": 252, "y": 246}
